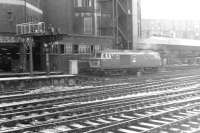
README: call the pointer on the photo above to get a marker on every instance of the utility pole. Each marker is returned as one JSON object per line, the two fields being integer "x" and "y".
{"x": 23, "y": 46}
{"x": 29, "y": 41}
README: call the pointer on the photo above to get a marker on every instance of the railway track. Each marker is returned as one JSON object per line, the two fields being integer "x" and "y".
{"x": 95, "y": 81}
{"x": 22, "y": 101}
{"x": 88, "y": 117}
{"x": 161, "y": 120}
{"x": 21, "y": 119}
{"x": 107, "y": 108}
{"x": 101, "y": 81}
{"x": 25, "y": 96}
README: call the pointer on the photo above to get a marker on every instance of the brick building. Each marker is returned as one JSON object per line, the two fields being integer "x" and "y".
{"x": 13, "y": 12}
{"x": 91, "y": 26}
{"x": 99, "y": 24}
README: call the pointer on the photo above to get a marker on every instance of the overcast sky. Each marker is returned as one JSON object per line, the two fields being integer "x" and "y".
{"x": 171, "y": 9}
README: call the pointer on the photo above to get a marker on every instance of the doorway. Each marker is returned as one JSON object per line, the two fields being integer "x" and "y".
{"x": 38, "y": 57}
{"x": 9, "y": 58}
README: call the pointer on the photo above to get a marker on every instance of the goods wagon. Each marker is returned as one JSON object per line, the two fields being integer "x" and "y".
{"x": 124, "y": 61}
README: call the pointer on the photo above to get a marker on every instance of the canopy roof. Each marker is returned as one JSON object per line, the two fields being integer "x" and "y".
{"x": 170, "y": 41}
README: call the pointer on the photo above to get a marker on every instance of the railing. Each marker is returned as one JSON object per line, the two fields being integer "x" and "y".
{"x": 30, "y": 28}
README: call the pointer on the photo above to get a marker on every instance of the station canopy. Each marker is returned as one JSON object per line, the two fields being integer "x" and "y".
{"x": 154, "y": 41}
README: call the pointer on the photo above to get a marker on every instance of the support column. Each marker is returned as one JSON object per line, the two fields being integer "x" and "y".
{"x": 23, "y": 56}
{"x": 31, "y": 58}
{"x": 117, "y": 23}
{"x": 114, "y": 23}
{"x": 47, "y": 58}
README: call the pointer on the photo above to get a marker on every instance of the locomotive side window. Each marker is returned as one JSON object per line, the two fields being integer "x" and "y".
{"x": 104, "y": 56}
{"x": 108, "y": 56}
{"x": 112, "y": 56}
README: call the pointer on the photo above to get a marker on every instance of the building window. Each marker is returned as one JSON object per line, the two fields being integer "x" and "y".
{"x": 92, "y": 49}
{"x": 75, "y": 49}
{"x": 83, "y": 3}
{"x": 87, "y": 3}
{"x": 83, "y": 49}
{"x": 97, "y": 48}
{"x": 88, "y": 25}
{"x": 10, "y": 15}
{"x": 68, "y": 48}
{"x": 54, "y": 49}
{"x": 62, "y": 48}
{"x": 78, "y": 3}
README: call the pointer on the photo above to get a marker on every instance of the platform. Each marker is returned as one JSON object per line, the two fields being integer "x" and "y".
{"x": 21, "y": 83}
{"x": 11, "y": 74}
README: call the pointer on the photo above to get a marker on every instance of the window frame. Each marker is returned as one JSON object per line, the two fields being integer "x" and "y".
{"x": 87, "y": 25}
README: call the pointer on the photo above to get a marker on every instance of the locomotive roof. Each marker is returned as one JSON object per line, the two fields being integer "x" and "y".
{"x": 127, "y": 51}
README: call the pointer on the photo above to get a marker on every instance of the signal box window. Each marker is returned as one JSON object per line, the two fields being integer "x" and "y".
{"x": 92, "y": 49}
{"x": 87, "y": 3}
{"x": 83, "y": 3}
{"x": 68, "y": 48}
{"x": 78, "y": 3}
{"x": 75, "y": 49}
{"x": 62, "y": 49}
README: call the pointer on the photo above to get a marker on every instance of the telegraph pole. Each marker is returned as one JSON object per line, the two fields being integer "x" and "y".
{"x": 23, "y": 47}
{"x": 29, "y": 41}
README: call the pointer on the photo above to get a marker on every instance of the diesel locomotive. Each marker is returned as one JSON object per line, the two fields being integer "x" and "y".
{"x": 124, "y": 61}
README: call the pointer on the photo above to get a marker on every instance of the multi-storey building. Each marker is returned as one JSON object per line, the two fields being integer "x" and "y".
{"x": 13, "y": 12}
{"x": 90, "y": 25}
{"x": 187, "y": 29}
